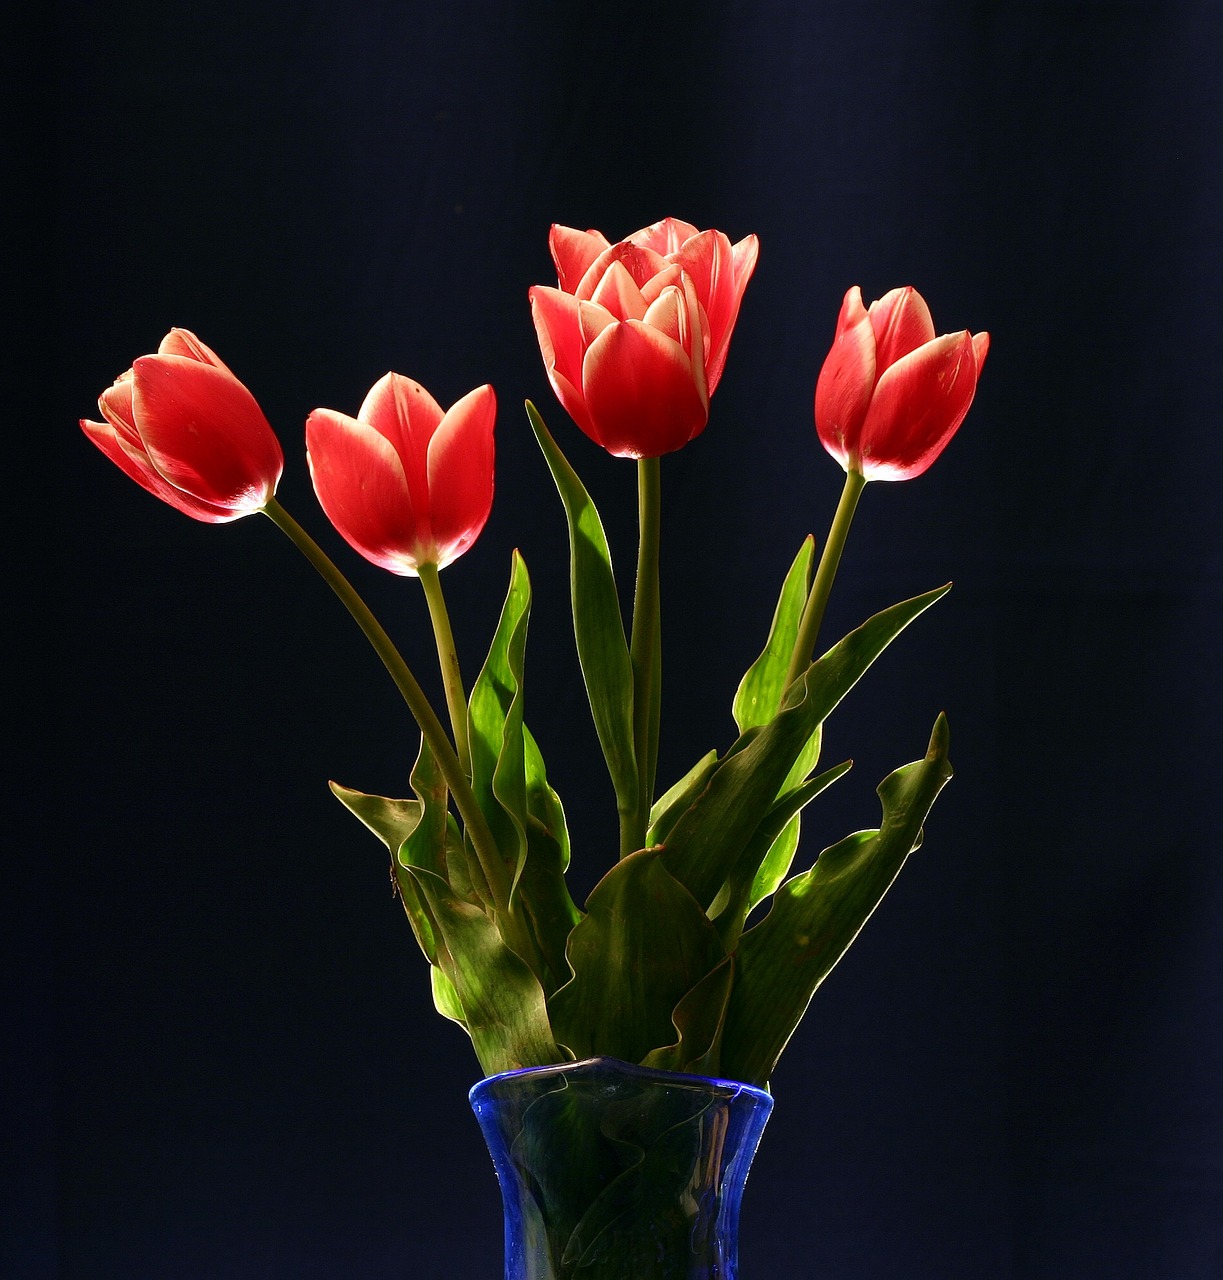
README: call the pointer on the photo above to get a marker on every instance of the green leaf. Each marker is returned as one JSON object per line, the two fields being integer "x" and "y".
{"x": 709, "y": 839}
{"x": 732, "y": 905}
{"x": 437, "y": 844}
{"x": 759, "y": 694}
{"x": 495, "y": 726}
{"x": 597, "y": 622}
{"x": 511, "y": 786}
{"x": 501, "y": 1001}
{"x": 542, "y": 891}
{"x": 668, "y": 807}
{"x": 423, "y": 834}
{"x": 643, "y": 944}
{"x": 699, "y": 1018}
{"x": 775, "y": 865}
{"x": 815, "y": 916}
{"x": 445, "y": 998}
{"x": 773, "y": 868}
{"x": 393, "y": 822}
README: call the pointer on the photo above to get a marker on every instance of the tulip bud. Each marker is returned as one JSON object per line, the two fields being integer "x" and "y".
{"x": 404, "y": 483}
{"x": 636, "y": 335}
{"x": 890, "y": 394}
{"x": 183, "y": 427}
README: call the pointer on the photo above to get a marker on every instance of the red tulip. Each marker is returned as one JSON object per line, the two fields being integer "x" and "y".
{"x": 636, "y": 336}
{"x": 404, "y": 483}
{"x": 182, "y": 426}
{"x": 891, "y": 395}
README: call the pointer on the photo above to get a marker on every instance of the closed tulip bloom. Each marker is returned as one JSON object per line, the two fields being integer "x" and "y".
{"x": 404, "y": 483}
{"x": 183, "y": 427}
{"x": 636, "y": 335}
{"x": 891, "y": 394}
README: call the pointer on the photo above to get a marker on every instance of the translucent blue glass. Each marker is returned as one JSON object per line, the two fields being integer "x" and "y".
{"x": 615, "y": 1172}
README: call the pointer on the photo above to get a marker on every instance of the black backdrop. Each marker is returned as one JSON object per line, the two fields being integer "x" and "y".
{"x": 229, "y": 1065}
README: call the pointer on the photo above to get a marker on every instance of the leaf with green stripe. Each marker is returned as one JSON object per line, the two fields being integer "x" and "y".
{"x": 494, "y": 723}
{"x": 758, "y": 697}
{"x": 643, "y": 944}
{"x": 815, "y": 916}
{"x": 542, "y": 892}
{"x": 771, "y": 843}
{"x": 511, "y": 786}
{"x": 709, "y": 839}
{"x": 502, "y": 1003}
{"x": 666, "y": 810}
{"x": 699, "y": 1019}
{"x": 597, "y": 621}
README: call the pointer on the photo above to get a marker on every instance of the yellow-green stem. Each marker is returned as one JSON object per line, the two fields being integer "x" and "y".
{"x": 418, "y": 704}
{"x": 645, "y": 651}
{"x": 448, "y": 658}
{"x": 821, "y": 587}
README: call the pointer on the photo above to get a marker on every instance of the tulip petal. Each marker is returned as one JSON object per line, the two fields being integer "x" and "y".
{"x": 902, "y": 323}
{"x": 665, "y": 237}
{"x": 558, "y": 327}
{"x": 404, "y": 413}
{"x": 182, "y": 342}
{"x": 671, "y": 276}
{"x": 640, "y": 392}
{"x": 461, "y": 473}
{"x": 665, "y": 314}
{"x": 980, "y": 347}
{"x": 706, "y": 257}
{"x": 847, "y": 379}
{"x": 918, "y": 405}
{"x": 592, "y": 320}
{"x": 360, "y": 483}
{"x": 641, "y": 263}
{"x": 116, "y": 406}
{"x": 125, "y": 452}
{"x": 573, "y": 251}
{"x": 678, "y": 314}
{"x": 617, "y": 291}
{"x": 745, "y": 255}
{"x": 204, "y": 432}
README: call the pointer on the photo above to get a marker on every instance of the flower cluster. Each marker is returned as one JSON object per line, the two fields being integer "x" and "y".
{"x": 659, "y": 965}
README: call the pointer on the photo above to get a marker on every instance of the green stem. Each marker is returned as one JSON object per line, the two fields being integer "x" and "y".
{"x": 645, "y": 652}
{"x": 821, "y": 587}
{"x": 448, "y": 657}
{"x": 430, "y": 726}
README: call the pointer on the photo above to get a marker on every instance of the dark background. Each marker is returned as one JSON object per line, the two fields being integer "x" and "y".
{"x": 226, "y": 1062}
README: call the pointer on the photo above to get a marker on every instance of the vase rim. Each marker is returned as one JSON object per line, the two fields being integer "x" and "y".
{"x": 681, "y": 1078}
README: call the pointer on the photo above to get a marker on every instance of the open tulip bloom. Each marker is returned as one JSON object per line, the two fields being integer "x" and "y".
{"x": 659, "y": 965}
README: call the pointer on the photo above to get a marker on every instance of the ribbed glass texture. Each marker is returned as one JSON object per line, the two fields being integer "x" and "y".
{"x": 610, "y": 1171}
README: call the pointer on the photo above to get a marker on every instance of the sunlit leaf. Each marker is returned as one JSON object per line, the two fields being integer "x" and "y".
{"x": 643, "y": 944}
{"x": 815, "y": 916}
{"x": 598, "y": 624}
{"x": 709, "y": 839}
{"x": 501, "y": 1000}
{"x": 758, "y": 697}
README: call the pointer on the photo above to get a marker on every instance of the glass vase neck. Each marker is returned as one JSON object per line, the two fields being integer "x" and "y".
{"x": 611, "y": 1171}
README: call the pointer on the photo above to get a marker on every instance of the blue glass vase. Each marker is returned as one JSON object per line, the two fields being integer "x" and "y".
{"x": 610, "y": 1171}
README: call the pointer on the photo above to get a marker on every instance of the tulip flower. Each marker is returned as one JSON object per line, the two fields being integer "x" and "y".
{"x": 405, "y": 484}
{"x": 183, "y": 427}
{"x": 891, "y": 395}
{"x": 636, "y": 335}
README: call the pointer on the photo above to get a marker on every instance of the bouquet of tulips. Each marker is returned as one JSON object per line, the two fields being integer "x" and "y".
{"x": 658, "y": 967}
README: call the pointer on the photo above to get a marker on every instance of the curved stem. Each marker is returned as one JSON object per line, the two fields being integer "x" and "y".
{"x": 821, "y": 587}
{"x": 645, "y": 651}
{"x": 418, "y": 704}
{"x": 448, "y": 658}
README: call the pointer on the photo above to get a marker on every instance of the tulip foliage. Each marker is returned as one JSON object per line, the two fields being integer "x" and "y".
{"x": 701, "y": 947}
